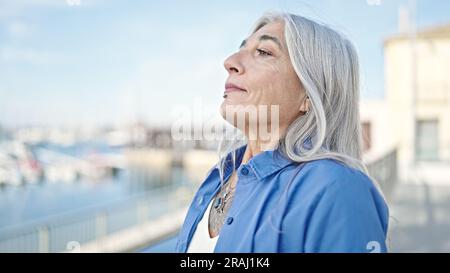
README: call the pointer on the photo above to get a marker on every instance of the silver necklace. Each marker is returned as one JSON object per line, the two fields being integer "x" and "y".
{"x": 221, "y": 204}
{"x": 223, "y": 198}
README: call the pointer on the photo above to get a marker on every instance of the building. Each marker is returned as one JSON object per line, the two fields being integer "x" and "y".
{"x": 414, "y": 117}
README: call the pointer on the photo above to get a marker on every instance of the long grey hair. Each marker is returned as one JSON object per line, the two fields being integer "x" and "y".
{"x": 327, "y": 65}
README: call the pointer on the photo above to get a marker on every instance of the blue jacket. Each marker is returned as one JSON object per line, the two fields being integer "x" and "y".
{"x": 282, "y": 206}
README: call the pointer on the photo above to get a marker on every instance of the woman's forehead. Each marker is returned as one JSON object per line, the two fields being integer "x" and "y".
{"x": 273, "y": 28}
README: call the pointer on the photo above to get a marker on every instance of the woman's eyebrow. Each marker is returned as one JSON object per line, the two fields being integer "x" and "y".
{"x": 264, "y": 37}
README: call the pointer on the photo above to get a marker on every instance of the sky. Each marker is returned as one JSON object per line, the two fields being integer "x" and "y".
{"x": 99, "y": 62}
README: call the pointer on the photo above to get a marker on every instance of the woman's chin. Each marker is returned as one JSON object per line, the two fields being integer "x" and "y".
{"x": 230, "y": 107}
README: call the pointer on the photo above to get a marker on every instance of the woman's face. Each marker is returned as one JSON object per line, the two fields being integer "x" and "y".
{"x": 261, "y": 73}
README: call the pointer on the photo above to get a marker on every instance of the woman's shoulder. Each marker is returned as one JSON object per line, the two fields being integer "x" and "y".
{"x": 335, "y": 189}
{"x": 332, "y": 176}
{"x": 339, "y": 206}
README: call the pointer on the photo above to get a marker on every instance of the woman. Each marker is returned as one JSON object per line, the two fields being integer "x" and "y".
{"x": 303, "y": 188}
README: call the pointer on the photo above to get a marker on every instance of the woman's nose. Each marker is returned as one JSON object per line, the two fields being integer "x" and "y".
{"x": 233, "y": 65}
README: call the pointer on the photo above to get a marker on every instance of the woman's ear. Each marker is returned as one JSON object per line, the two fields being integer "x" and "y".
{"x": 305, "y": 105}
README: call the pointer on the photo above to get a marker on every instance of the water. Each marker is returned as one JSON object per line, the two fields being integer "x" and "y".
{"x": 31, "y": 202}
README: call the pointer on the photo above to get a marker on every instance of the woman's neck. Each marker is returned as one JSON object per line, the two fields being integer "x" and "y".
{"x": 257, "y": 146}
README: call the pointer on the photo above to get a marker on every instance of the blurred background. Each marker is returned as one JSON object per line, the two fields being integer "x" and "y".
{"x": 92, "y": 91}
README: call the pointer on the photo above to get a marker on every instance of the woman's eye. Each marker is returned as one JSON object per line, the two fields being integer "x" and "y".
{"x": 263, "y": 52}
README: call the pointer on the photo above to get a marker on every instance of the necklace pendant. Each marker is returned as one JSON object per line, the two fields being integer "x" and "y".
{"x": 218, "y": 203}
{"x": 220, "y": 206}
{"x": 225, "y": 196}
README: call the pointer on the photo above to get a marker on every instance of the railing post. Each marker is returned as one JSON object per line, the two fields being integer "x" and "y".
{"x": 101, "y": 225}
{"x": 44, "y": 239}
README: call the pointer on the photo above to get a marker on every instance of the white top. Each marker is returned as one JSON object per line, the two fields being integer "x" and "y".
{"x": 201, "y": 242}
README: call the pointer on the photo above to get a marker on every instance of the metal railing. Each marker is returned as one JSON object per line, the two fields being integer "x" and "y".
{"x": 61, "y": 232}
{"x": 384, "y": 171}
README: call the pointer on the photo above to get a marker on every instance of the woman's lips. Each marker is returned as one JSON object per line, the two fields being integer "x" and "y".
{"x": 232, "y": 90}
{"x": 230, "y": 87}
{"x": 229, "y": 90}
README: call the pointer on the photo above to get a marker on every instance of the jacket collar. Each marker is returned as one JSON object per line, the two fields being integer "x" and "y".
{"x": 263, "y": 164}
{"x": 268, "y": 162}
